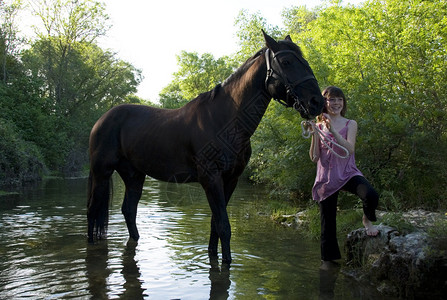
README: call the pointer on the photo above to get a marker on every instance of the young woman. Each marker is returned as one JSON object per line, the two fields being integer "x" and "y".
{"x": 335, "y": 173}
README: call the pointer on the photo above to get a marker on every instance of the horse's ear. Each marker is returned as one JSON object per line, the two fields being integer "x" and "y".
{"x": 270, "y": 42}
{"x": 288, "y": 38}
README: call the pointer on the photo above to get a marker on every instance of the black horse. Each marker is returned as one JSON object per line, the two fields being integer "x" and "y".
{"x": 205, "y": 141}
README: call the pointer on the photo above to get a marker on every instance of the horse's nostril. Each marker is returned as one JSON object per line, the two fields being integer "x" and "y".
{"x": 318, "y": 104}
{"x": 315, "y": 107}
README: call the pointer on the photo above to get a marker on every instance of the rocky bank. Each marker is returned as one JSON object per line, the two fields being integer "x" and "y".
{"x": 408, "y": 266}
{"x": 408, "y": 261}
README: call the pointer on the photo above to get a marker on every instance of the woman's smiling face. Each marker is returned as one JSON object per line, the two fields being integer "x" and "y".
{"x": 334, "y": 105}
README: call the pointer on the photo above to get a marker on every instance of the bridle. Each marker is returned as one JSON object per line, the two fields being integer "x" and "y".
{"x": 279, "y": 75}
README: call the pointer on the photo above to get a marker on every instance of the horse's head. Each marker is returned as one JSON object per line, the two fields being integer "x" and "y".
{"x": 290, "y": 79}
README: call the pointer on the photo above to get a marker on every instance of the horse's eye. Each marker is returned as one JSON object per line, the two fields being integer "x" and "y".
{"x": 285, "y": 62}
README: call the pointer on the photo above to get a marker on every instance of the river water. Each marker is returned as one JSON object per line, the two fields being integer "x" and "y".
{"x": 44, "y": 252}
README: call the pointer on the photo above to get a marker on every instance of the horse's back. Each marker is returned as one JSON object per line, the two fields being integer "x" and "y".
{"x": 105, "y": 136}
{"x": 151, "y": 140}
{"x": 125, "y": 116}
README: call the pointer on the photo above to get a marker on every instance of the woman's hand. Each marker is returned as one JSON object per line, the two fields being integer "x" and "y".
{"x": 327, "y": 122}
{"x": 308, "y": 126}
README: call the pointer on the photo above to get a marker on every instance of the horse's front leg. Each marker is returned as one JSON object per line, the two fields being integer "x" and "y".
{"x": 229, "y": 188}
{"x": 220, "y": 226}
{"x": 223, "y": 228}
{"x": 129, "y": 210}
{"x": 214, "y": 239}
{"x": 134, "y": 188}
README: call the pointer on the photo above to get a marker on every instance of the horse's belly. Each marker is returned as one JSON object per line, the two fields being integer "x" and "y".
{"x": 171, "y": 172}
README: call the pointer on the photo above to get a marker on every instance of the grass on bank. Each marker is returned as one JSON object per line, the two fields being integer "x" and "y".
{"x": 308, "y": 216}
{"x": 349, "y": 217}
{"x": 4, "y": 193}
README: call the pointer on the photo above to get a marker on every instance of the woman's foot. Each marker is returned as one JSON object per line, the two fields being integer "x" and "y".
{"x": 371, "y": 230}
{"x": 327, "y": 265}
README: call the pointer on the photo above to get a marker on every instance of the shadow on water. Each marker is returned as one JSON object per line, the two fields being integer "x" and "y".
{"x": 131, "y": 273}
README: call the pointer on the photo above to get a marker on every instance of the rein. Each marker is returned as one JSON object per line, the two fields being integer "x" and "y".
{"x": 323, "y": 137}
{"x": 271, "y": 73}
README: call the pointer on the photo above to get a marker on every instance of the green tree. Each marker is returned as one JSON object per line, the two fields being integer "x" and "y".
{"x": 20, "y": 160}
{"x": 97, "y": 81}
{"x": 196, "y": 74}
{"x": 249, "y": 34}
{"x": 171, "y": 96}
{"x": 67, "y": 25}
{"x": 9, "y": 39}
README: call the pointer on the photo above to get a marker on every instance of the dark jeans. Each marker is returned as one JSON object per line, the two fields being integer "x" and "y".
{"x": 357, "y": 185}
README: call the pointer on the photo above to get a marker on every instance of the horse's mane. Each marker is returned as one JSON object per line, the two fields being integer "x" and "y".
{"x": 292, "y": 45}
{"x": 249, "y": 62}
{"x": 210, "y": 95}
{"x": 242, "y": 69}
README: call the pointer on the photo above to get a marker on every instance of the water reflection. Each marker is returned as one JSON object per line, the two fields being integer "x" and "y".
{"x": 97, "y": 269}
{"x": 131, "y": 273}
{"x": 220, "y": 280}
{"x": 99, "y": 272}
{"x": 328, "y": 278}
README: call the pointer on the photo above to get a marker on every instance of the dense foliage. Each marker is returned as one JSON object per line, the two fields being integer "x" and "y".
{"x": 389, "y": 56}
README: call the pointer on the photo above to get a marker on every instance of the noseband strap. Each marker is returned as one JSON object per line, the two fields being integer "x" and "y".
{"x": 279, "y": 74}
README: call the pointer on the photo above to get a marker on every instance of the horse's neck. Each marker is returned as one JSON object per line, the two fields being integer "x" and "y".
{"x": 252, "y": 99}
{"x": 245, "y": 118}
{"x": 253, "y": 109}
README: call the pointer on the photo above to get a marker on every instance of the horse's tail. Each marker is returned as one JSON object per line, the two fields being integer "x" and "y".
{"x": 89, "y": 189}
{"x": 102, "y": 220}
{"x": 98, "y": 207}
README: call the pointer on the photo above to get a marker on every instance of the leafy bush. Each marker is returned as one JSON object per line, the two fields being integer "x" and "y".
{"x": 20, "y": 161}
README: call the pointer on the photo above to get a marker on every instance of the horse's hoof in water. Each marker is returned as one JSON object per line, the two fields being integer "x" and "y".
{"x": 135, "y": 237}
{"x": 131, "y": 242}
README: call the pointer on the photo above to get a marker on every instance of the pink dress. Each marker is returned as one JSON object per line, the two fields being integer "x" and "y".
{"x": 333, "y": 172}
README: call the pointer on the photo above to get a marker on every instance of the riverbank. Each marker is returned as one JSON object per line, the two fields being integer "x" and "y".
{"x": 14, "y": 186}
{"x": 408, "y": 259}
{"x": 408, "y": 266}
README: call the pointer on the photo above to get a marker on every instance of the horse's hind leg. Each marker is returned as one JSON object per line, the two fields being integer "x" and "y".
{"x": 220, "y": 226}
{"x": 229, "y": 188}
{"x": 134, "y": 181}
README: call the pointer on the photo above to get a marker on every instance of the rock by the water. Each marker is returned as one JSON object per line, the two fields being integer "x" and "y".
{"x": 409, "y": 266}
